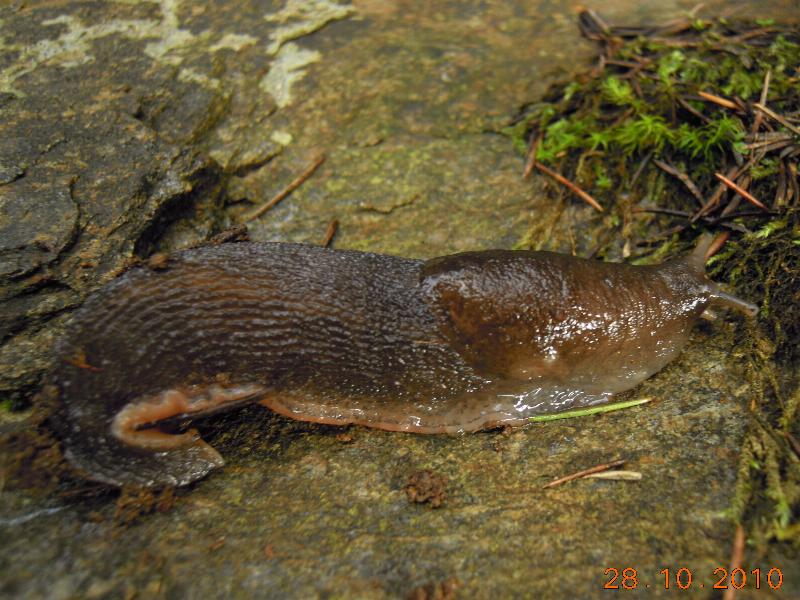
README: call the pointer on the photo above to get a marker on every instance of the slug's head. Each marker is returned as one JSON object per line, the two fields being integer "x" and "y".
{"x": 688, "y": 275}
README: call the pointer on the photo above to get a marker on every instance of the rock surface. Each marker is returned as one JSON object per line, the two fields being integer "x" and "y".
{"x": 128, "y": 128}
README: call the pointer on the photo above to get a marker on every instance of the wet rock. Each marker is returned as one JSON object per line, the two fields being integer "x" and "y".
{"x": 128, "y": 129}
{"x": 39, "y": 220}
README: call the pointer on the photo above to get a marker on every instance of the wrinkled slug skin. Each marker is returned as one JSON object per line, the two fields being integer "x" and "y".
{"x": 457, "y": 343}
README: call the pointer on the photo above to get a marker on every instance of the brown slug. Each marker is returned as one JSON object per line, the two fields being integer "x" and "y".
{"x": 453, "y": 344}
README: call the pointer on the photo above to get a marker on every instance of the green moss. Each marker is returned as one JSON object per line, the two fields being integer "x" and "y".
{"x": 602, "y": 180}
{"x": 610, "y": 114}
{"x": 669, "y": 66}
{"x": 645, "y": 132}
{"x": 619, "y": 92}
{"x": 767, "y": 167}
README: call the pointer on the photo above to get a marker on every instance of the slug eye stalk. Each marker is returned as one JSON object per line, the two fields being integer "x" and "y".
{"x": 731, "y": 301}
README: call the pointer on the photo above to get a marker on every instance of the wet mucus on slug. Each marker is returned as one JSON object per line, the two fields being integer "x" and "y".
{"x": 452, "y": 344}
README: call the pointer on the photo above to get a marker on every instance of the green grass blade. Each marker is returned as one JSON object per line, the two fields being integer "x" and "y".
{"x": 583, "y": 412}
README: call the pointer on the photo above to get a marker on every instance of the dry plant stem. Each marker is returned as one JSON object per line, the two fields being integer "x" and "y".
{"x": 732, "y": 174}
{"x": 623, "y": 63}
{"x": 792, "y": 442}
{"x": 663, "y": 211}
{"x": 746, "y": 35}
{"x": 641, "y": 167}
{"x": 724, "y": 102}
{"x": 572, "y": 187}
{"x": 770, "y": 145}
{"x": 717, "y": 244}
{"x": 617, "y": 475}
{"x": 776, "y": 117}
{"x": 296, "y": 183}
{"x": 715, "y": 197}
{"x": 330, "y": 233}
{"x": 744, "y": 183}
{"x": 737, "y": 555}
{"x": 762, "y": 101}
{"x": 683, "y": 177}
{"x": 688, "y": 107}
{"x": 604, "y": 467}
{"x": 780, "y": 192}
{"x": 530, "y": 163}
{"x": 794, "y": 186}
{"x": 741, "y": 191}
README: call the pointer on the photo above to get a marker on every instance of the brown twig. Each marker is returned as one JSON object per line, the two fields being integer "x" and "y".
{"x": 617, "y": 475}
{"x": 530, "y": 162}
{"x": 725, "y": 221}
{"x": 742, "y": 37}
{"x": 296, "y": 183}
{"x": 736, "y": 215}
{"x": 717, "y": 244}
{"x": 792, "y": 442}
{"x": 629, "y": 64}
{"x": 724, "y": 102}
{"x": 762, "y": 101}
{"x": 741, "y": 191}
{"x": 333, "y": 227}
{"x": 744, "y": 183}
{"x": 732, "y": 173}
{"x": 571, "y": 186}
{"x": 592, "y": 26}
{"x": 776, "y": 117}
{"x": 692, "y": 110}
{"x": 641, "y": 167}
{"x": 737, "y": 555}
{"x": 781, "y": 189}
{"x": 217, "y": 544}
{"x": 662, "y": 211}
{"x": 790, "y": 152}
{"x": 683, "y": 177}
{"x": 769, "y": 146}
{"x": 604, "y": 467}
{"x": 794, "y": 187}
{"x": 767, "y": 137}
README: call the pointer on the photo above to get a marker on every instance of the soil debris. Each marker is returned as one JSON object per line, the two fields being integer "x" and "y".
{"x": 233, "y": 235}
{"x": 440, "y": 590}
{"x": 158, "y": 261}
{"x": 135, "y": 502}
{"x": 426, "y": 487}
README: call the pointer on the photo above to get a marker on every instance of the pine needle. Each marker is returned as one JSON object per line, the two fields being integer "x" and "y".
{"x": 593, "y": 410}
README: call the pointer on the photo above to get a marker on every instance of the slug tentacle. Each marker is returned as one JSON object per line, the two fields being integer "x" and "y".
{"x": 458, "y": 343}
{"x": 731, "y": 301}
{"x": 699, "y": 256}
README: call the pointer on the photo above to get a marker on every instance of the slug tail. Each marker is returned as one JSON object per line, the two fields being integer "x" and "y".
{"x": 107, "y": 462}
{"x": 129, "y": 447}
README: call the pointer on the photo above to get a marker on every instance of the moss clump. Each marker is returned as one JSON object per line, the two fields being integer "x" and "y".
{"x": 683, "y": 95}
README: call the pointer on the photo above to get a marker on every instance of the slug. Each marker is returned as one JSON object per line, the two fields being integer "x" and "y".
{"x": 453, "y": 344}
